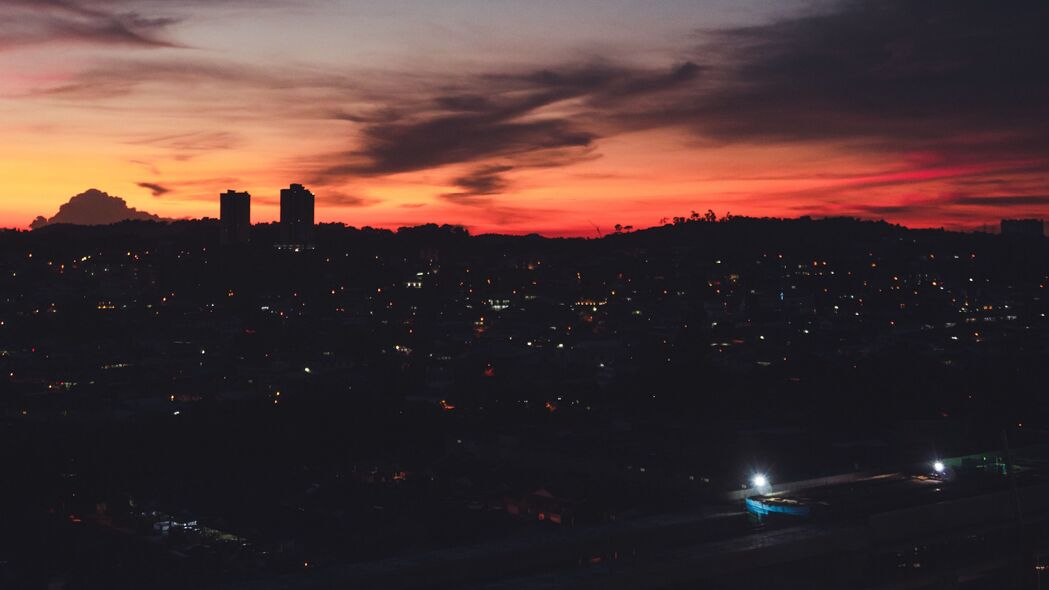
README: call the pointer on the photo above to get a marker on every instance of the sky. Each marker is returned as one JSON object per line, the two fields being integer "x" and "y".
{"x": 559, "y": 117}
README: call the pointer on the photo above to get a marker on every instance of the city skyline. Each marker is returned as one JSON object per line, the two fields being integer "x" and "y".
{"x": 298, "y": 214}
{"x": 735, "y": 402}
{"x": 553, "y": 118}
{"x": 524, "y": 294}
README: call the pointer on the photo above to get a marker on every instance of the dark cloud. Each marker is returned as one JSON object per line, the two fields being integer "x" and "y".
{"x": 101, "y": 22}
{"x": 513, "y": 120}
{"x": 1004, "y": 201}
{"x": 516, "y": 216}
{"x": 949, "y": 82}
{"x": 374, "y": 116}
{"x": 219, "y": 86}
{"x": 155, "y": 189}
{"x": 438, "y": 141}
{"x": 192, "y": 189}
{"x": 481, "y": 182}
{"x": 890, "y": 210}
{"x": 958, "y": 207}
{"x": 94, "y": 207}
{"x": 463, "y": 102}
{"x": 957, "y": 75}
{"x": 31, "y": 22}
{"x": 341, "y": 199}
{"x": 618, "y": 89}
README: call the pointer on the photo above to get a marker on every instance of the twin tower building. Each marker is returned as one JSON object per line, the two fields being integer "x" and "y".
{"x": 296, "y": 217}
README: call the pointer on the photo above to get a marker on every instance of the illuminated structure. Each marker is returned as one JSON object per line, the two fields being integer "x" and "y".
{"x": 763, "y": 506}
{"x": 235, "y": 217}
{"x": 296, "y": 218}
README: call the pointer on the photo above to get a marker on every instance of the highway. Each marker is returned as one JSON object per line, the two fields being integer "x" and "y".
{"x": 878, "y": 520}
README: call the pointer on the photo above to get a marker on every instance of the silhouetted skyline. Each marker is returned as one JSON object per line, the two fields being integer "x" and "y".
{"x": 514, "y": 117}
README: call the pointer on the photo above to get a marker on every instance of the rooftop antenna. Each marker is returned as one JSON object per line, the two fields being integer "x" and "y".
{"x": 597, "y": 229}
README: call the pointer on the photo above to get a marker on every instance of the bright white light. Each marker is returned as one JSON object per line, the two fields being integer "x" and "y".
{"x": 759, "y": 480}
{"x": 939, "y": 467}
{"x": 307, "y": 369}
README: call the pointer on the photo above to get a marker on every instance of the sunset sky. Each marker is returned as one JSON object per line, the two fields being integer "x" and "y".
{"x": 530, "y": 115}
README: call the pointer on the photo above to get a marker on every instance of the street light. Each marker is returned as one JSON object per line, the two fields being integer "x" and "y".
{"x": 760, "y": 480}
{"x": 939, "y": 467}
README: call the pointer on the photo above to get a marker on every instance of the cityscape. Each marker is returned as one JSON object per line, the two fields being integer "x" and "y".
{"x": 524, "y": 295}
{"x": 326, "y": 402}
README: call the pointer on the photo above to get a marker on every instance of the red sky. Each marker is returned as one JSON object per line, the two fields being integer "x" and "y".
{"x": 554, "y": 117}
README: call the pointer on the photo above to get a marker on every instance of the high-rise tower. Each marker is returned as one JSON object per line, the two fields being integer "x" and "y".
{"x": 296, "y": 217}
{"x": 235, "y": 217}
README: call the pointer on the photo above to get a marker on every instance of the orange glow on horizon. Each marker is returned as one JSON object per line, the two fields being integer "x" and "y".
{"x": 563, "y": 130}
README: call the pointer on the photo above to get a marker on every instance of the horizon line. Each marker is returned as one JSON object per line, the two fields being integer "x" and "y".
{"x": 986, "y": 228}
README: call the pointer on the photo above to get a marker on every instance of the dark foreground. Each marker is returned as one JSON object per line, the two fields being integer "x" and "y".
{"x": 431, "y": 409}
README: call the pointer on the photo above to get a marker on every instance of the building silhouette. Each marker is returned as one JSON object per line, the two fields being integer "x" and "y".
{"x": 296, "y": 217}
{"x": 235, "y": 217}
{"x": 1023, "y": 227}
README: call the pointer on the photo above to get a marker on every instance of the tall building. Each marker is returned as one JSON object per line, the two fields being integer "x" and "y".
{"x": 235, "y": 217}
{"x": 1023, "y": 227}
{"x": 296, "y": 217}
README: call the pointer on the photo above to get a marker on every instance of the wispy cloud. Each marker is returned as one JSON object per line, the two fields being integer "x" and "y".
{"x": 483, "y": 181}
{"x": 32, "y": 22}
{"x": 194, "y": 141}
{"x": 497, "y": 123}
{"x": 157, "y": 190}
{"x": 191, "y": 189}
{"x": 335, "y": 198}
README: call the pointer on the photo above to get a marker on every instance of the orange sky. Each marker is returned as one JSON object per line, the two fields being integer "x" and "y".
{"x": 562, "y": 118}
